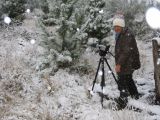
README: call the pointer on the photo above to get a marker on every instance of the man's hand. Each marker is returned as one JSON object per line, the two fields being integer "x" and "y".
{"x": 118, "y": 68}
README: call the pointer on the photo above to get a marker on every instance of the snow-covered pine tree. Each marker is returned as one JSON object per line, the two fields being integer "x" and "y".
{"x": 66, "y": 16}
{"x": 14, "y": 8}
{"x": 66, "y": 24}
{"x": 60, "y": 38}
{"x": 76, "y": 22}
{"x": 96, "y": 25}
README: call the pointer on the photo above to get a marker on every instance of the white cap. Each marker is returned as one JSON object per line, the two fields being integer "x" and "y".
{"x": 119, "y": 22}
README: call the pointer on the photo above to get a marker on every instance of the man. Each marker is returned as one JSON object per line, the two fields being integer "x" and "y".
{"x": 126, "y": 59}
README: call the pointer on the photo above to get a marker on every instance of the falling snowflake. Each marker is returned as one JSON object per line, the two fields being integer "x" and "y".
{"x": 158, "y": 61}
{"x": 109, "y": 72}
{"x": 91, "y": 92}
{"x": 7, "y": 20}
{"x": 28, "y": 11}
{"x": 100, "y": 73}
{"x": 103, "y": 91}
{"x": 78, "y": 29}
{"x": 49, "y": 88}
{"x": 32, "y": 41}
{"x": 101, "y": 11}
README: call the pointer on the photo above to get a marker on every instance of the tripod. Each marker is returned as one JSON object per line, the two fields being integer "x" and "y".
{"x": 103, "y": 60}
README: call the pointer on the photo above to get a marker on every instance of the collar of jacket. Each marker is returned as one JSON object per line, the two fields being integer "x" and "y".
{"x": 124, "y": 31}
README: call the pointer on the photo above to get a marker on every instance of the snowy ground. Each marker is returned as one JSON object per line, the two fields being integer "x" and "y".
{"x": 25, "y": 94}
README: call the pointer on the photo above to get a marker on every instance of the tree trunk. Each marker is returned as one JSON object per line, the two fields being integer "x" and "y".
{"x": 156, "y": 56}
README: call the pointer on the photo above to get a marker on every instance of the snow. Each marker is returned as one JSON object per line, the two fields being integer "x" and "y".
{"x": 157, "y": 39}
{"x": 158, "y": 61}
{"x": 101, "y": 11}
{"x": 139, "y": 17}
{"x": 28, "y": 11}
{"x": 32, "y": 41}
{"x": 100, "y": 73}
{"x": 153, "y": 109}
{"x": 110, "y": 72}
{"x": 78, "y": 29}
{"x": 7, "y": 20}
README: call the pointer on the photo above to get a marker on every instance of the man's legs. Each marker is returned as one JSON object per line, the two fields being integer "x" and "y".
{"x": 131, "y": 86}
{"x": 122, "y": 86}
{"x": 126, "y": 86}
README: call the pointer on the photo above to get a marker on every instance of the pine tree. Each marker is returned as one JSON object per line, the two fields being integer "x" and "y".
{"x": 77, "y": 21}
{"x": 64, "y": 12}
{"x": 96, "y": 25}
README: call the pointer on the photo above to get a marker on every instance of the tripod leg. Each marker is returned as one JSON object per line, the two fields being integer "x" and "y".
{"x": 96, "y": 74}
{"x": 102, "y": 81}
{"x": 103, "y": 76}
{"x": 111, "y": 71}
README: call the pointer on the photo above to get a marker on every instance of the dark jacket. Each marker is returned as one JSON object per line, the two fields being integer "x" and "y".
{"x": 126, "y": 52}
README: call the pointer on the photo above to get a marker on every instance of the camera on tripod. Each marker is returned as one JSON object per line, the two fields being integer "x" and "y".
{"x": 103, "y": 50}
{"x": 102, "y": 47}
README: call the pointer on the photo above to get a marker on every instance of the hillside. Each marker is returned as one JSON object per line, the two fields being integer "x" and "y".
{"x": 26, "y": 93}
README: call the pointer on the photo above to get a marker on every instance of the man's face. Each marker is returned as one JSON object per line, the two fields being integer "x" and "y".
{"x": 117, "y": 29}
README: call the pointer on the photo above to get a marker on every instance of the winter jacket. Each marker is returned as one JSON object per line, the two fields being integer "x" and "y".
{"x": 126, "y": 52}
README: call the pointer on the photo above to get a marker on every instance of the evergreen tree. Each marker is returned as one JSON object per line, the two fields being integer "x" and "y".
{"x": 66, "y": 11}
{"x": 77, "y": 21}
{"x": 96, "y": 25}
{"x": 63, "y": 14}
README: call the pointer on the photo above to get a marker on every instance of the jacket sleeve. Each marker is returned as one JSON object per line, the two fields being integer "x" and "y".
{"x": 125, "y": 49}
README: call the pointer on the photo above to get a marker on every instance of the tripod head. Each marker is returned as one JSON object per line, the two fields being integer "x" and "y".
{"x": 102, "y": 47}
{"x": 103, "y": 50}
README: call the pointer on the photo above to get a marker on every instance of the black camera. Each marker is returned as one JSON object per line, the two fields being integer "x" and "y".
{"x": 103, "y": 50}
{"x": 103, "y": 47}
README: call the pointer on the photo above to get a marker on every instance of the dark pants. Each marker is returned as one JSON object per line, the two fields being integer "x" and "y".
{"x": 126, "y": 84}
{"x": 127, "y": 87}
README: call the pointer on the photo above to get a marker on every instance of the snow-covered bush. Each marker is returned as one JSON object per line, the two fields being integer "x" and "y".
{"x": 64, "y": 59}
{"x": 82, "y": 68}
{"x": 97, "y": 25}
{"x": 12, "y": 87}
{"x": 59, "y": 31}
{"x": 75, "y": 25}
